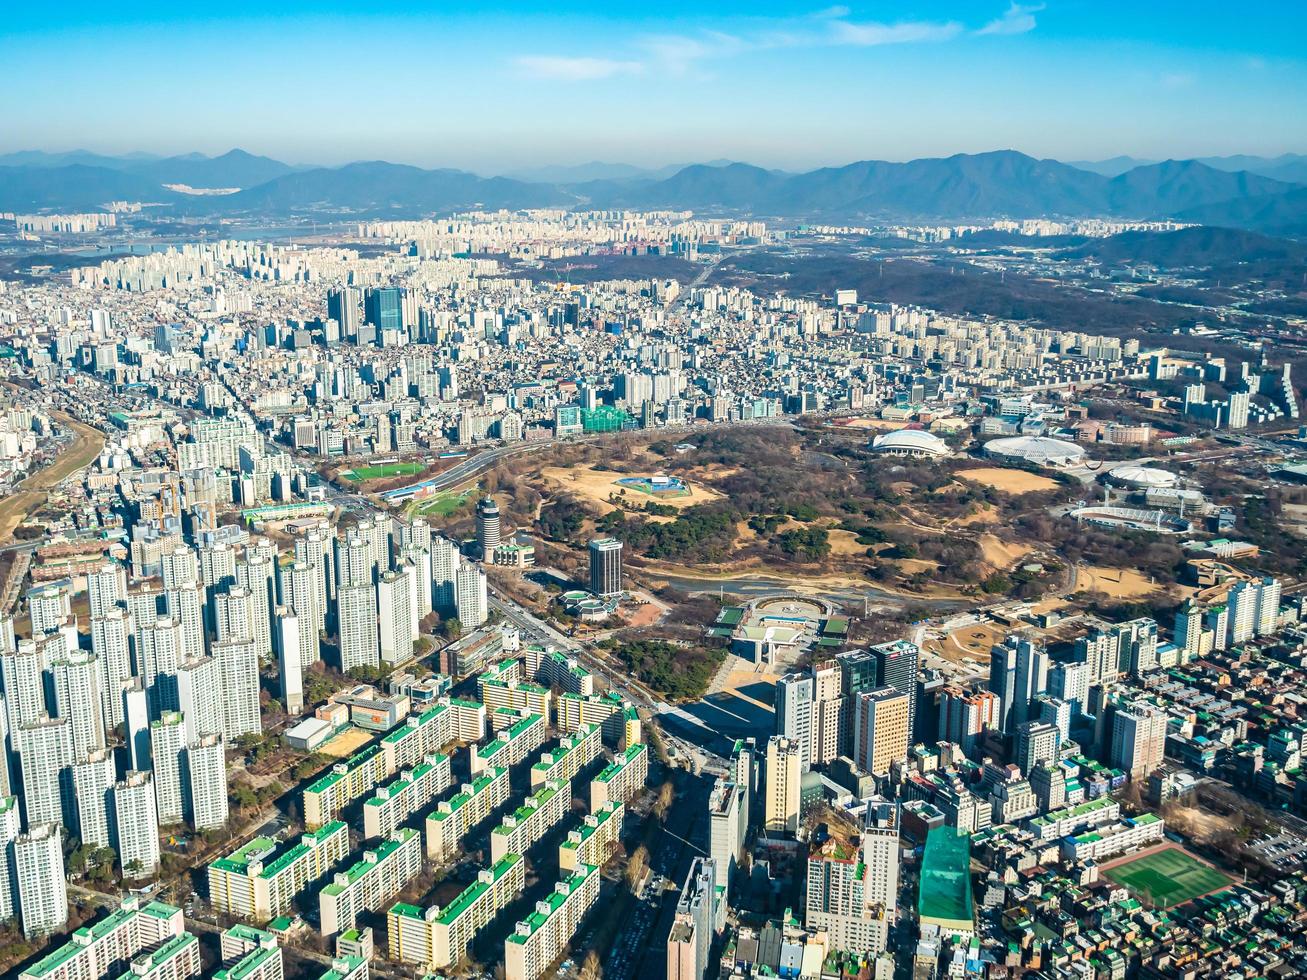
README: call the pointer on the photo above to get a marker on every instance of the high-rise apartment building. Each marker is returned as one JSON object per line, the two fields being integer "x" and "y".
{"x": 471, "y": 598}
{"x": 136, "y": 824}
{"x": 795, "y": 696}
{"x": 782, "y": 780}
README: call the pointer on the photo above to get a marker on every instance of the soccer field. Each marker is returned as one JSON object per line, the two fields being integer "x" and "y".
{"x": 361, "y": 473}
{"x": 1167, "y": 878}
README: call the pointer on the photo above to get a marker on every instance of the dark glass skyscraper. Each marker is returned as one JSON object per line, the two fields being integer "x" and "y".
{"x": 384, "y": 308}
{"x": 896, "y": 667}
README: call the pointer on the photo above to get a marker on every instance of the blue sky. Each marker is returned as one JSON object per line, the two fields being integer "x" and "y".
{"x": 493, "y": 87}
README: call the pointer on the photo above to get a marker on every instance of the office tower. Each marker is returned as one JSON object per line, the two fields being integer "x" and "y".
{"x": 744, "y": 771}
{"x": 445, "y": 561}
{"x": 896, "y": 667}
{"x": 110, "y": 643}
{"x": 1036, "y": 742}
{"x": 93, "y": 780}
{"x": 489, "y": 528}
{"x": 605, "y": 566}
{"x": 200, "y": 695}
{"x": 471, "y": 599}
{"x": 136, "y": 824}
{"x": 880, "y": 729}
{"x": 693, "y": 925}
{"x": 783, "y": 777}
{"x": 300, "y": 585}
{"x": 47, "y": 760}
{"x": 829, "y": 724}
{"x": 1138, "y": 738}
{"x": 238, "y": 667}
{"x": 106, "y": 589}
{"x": 207, "y": 769}
{"x": 383, "y": 308}
{"x": 1048, "y": 783}
{"x": 42, "y": 886}
{"x": 49, "y": 607}
{"x": 76, "y": 683}
{"x": 726, "y": 828}
{"x": 358, "y": 634}
{"x": 394, "y": 617}
{"x": 162, "y": 648}
{"x": 1070, "y": 682}
{"x": 794, "y": 712}
{"x": 1018, "y": 670}
{"x": 343, "y": 307}
{"x": 1056, "y": 712}
{"x": 136, "y": 724}
{"x": 10, "y": 826}
{"x": 965, "y": 715}
{"x": 167, "y": 752}
{"x": 286, "y": 634}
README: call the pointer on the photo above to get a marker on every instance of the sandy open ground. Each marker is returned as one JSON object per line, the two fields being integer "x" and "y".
{"x": 1119, "y": 583}
{"x": 1009, "y": 481}
{"x": 596, "y": 486}
{"x": 968, "y": 641}
{"x": 845, "y": 543}
{"x": 1001, "y": 554}
{"x": 346, "y": 743}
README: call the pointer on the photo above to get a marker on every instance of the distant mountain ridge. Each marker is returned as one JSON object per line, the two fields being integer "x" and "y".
{"x": 958, "y": 188}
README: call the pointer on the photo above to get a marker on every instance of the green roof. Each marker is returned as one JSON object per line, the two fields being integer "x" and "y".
{"x": 474, "y": 891}
{"x": 362, "y": 866}
{"x": 542, "y": 796}
{"x": 247, "y": 964}
{"x": 945, "y": 889}
{"x": 164, "y": 953}
{"x": 554, "y": 901}
{"x": 351, "y": 963}
{"x": 620, "y": 763}
{"x": 95, "y": 931}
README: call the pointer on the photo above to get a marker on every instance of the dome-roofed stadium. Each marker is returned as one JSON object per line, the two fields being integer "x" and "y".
{"x": 1042, "y": 450}
{"x": 1141, "y": 477}
{"x": 910, "y": 442}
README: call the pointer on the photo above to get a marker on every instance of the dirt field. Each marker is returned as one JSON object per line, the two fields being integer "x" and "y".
{"x": 968, "y": 641}
{"x": 596, "y": 486}
{"x": 1001, "y": 554}
{"x": 845, "y": 544}
{"x": 1009, "y": 481}
{"x": 985, "y": 515}
{"x": 1119, "y": 583}
{"x": 347, "y": 742}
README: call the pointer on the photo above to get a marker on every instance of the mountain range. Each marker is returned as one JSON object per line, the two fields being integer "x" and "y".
{"x": 963, "y": 187}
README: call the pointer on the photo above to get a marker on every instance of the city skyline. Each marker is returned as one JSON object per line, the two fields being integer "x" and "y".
{"x": 787, "y": 86}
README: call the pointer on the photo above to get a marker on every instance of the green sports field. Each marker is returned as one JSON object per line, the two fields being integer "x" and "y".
{"x": 360, "y": 473}
{"x": 1167, "y": 878}
{"x": 440, "y": 505}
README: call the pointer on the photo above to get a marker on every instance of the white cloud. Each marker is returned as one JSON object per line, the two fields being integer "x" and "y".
{"x": 870, "y": 33}
{"x": 1016, "y": 20}
{"x": 682, "y": 54}
{"x": 558, "y": 68}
